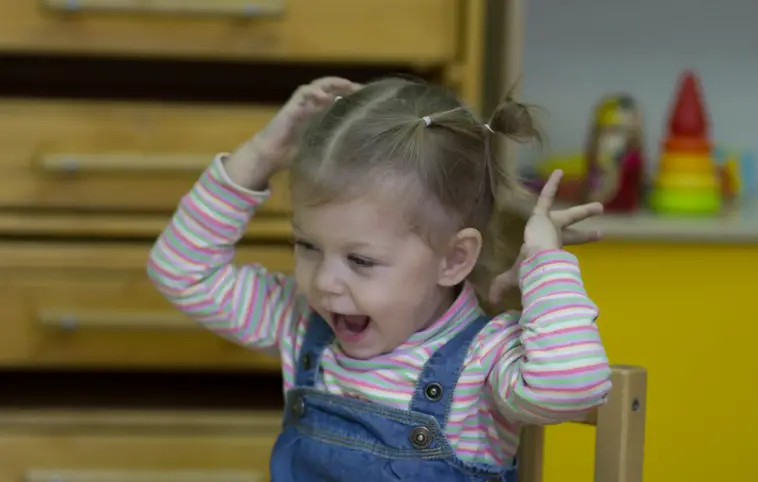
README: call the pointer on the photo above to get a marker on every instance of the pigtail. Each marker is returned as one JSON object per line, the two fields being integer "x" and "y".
{"x": 512, "y": 202}
{"x": 516, "y": 121}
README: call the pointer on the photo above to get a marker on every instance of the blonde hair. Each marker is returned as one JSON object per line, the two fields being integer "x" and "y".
{"x": 417, "y": 143}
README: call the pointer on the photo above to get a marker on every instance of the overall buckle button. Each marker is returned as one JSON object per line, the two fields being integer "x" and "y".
{"x": 307, "y": 362}
{"x": 298, "y": 407}
{"x": 421, "y": 437}
{"x": 433, "y": 392}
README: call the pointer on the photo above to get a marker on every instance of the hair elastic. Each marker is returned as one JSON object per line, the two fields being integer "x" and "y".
{"x": 336, "y": 98}
{"x": 427, "y": 120}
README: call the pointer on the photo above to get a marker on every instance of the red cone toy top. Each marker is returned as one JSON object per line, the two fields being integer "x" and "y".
{"x": 688, "y": 122}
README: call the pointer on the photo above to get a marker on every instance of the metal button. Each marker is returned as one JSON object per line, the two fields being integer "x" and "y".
{"x": 433, "y": 391}
{"x": 298, "y": 407}
{"x": 421, "y": 437}
{"x": 306, "y": 362}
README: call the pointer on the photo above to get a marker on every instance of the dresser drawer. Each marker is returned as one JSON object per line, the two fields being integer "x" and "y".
{"x": 117, "y": 157}
{"x": 140, "y": 446}
{"x": 92, "y": 305}
{"x": 269, "y": 229}
{"x": 423, "y": 31}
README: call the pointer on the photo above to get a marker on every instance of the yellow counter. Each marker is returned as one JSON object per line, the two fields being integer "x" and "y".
{"x": 685, "y": 306}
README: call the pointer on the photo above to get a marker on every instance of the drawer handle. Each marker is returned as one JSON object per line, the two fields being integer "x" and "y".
{"x": 142, "y": 476}
{"x": 231, "y": 8}
{"x": 71, "y": 321}
{"x": 124, "y": 163}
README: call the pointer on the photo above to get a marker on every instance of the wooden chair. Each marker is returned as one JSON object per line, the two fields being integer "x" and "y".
{"x": 620, "y": 438}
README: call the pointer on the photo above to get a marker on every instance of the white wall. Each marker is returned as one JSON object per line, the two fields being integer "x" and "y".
{"x": 577, "y": 50}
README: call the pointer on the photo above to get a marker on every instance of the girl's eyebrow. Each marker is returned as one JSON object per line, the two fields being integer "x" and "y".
{"x": 360, "y": 245}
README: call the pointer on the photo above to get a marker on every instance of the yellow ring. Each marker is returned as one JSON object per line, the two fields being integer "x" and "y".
{"x": 688, "y": 181}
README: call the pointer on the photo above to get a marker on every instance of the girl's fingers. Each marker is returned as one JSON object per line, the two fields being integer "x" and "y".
{"x": 317, "y": 94}
{"x": 576, "y": 236}
{"x": 325, "y": 90}
{"x": 547, "y": 195}
{"x": 314, "y": 99}
{"x": 336, "y": 85}
{"x": 572, "y": 215}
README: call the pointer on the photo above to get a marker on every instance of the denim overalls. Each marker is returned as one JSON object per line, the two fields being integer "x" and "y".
{"x": 332, "y": 438}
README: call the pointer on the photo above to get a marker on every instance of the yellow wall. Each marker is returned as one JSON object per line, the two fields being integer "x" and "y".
{"x": 689, "y": 314}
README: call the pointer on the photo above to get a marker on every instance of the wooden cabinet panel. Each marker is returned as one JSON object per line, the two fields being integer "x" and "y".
{"x": 420, "y": 31}
{"x": 92, "y": 305}
{"x": 118, "y": 157}
{"x": 136, "y": 446}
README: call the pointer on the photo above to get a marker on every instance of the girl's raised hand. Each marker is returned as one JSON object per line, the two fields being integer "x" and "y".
{"x": 547, "y": 230}
{"x": 276, "y": 143}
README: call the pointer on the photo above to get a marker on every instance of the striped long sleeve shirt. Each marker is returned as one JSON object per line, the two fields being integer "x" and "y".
{"x": 544, "y": 365}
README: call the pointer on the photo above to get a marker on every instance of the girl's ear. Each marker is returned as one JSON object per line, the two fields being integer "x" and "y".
{"x": 460, "y": 257}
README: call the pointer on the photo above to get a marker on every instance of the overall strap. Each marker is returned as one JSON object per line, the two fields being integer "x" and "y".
{"x": 434, "y": 390}
{"x": 318, "y": 335}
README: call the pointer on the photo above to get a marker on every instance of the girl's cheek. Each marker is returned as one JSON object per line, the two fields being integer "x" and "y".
{"x": 303, "y": 272}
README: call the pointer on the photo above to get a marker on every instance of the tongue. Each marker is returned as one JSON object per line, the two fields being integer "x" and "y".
{"x": 355, "y": 323}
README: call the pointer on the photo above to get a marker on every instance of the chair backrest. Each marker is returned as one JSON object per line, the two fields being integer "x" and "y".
{"x": 620, "y": 438}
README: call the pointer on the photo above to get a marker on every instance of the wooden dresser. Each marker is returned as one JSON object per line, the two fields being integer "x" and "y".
{"x": 109, "y": 111}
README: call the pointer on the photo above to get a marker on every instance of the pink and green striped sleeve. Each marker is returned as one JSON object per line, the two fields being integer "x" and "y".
{"x": 191, "y": 265}
{"x": 549, "y": 366}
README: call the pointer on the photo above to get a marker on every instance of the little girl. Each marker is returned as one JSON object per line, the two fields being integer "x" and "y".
{"x": 392, "y": 371}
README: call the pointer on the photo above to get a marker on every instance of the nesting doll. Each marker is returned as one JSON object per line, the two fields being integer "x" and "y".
{"x": 615, "y": 154}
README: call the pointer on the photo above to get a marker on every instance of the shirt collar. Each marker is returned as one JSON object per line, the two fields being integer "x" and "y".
{"x": 464, "y": 309}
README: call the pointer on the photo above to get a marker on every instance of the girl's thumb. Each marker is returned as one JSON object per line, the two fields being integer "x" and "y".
{"x": 502, "y": 284}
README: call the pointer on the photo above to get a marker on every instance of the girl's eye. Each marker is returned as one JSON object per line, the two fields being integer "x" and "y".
{"x": 304, "y": 245}
{"x": 361, "y": 262}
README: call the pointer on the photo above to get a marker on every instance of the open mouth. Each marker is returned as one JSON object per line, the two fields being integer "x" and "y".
{"x": 350, "y": 327}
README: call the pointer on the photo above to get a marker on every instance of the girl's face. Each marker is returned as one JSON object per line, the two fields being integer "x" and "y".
{"x": 372, "y": 279}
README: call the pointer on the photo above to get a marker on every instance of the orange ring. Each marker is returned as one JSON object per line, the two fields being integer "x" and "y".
{"x": 686, "y": 163}
{"x": 687, "y": 144}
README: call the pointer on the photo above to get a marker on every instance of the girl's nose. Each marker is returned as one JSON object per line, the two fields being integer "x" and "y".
{"x": 327, "y": 280}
